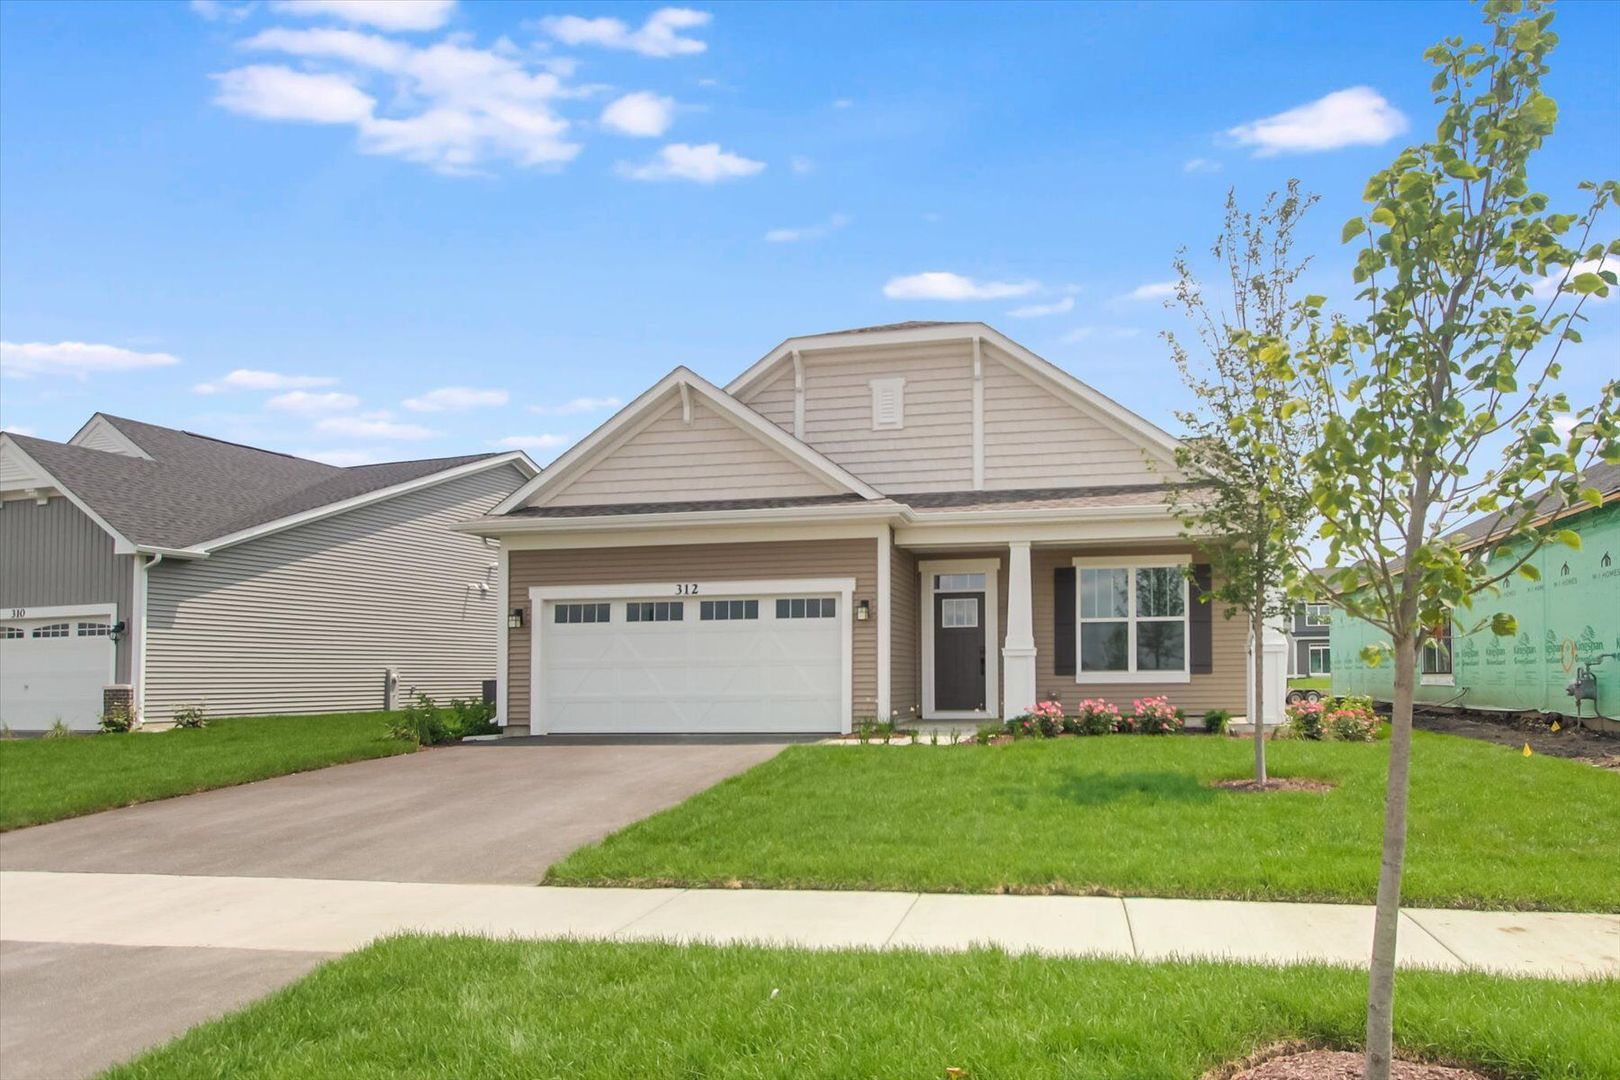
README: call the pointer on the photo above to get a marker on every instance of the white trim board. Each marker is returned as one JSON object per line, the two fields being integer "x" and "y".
{"x": 622, "y": 425}
{"x": 990, "y": 567}
{"x": 60, "y": 611}
{"x": 540, "y": 595}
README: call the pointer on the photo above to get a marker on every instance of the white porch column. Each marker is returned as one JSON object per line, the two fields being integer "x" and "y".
{"x": 1018, "y": 656}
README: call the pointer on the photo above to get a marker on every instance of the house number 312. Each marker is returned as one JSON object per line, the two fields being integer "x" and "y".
{"x": 686, "y": 590}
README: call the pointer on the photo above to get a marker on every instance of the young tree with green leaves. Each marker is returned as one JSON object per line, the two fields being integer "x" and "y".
{"x": 1247, "y": 437}
{"x": 1440, "y": 398}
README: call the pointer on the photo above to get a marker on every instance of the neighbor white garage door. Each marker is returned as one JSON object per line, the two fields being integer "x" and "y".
{"x": 54, "y": 669}
{"x": 755, "y": 662}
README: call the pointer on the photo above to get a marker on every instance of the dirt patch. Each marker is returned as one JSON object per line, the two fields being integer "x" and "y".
{"x": 1276, "y": 783}
{"x": 1343, "y": 1065}
{"x": 1517, "y": 729}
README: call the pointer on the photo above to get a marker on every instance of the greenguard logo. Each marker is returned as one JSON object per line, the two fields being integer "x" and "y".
{"x": 1550, "y": 652}
{"x": 1524, "y": 650}
{"x": 1590, "y": 644}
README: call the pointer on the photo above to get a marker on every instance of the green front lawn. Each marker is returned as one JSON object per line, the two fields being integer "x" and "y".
{"x": 1310, "y": 682}
{"x": 47, "y": 779}
{"x": 1132, "y": 814}
{"x": 460, "y": 1007}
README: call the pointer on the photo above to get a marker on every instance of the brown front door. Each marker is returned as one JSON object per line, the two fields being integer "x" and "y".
{"x": 959, "y": 651}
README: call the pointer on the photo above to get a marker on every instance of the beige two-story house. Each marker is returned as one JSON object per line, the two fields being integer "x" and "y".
{"x": 922, "y": 520}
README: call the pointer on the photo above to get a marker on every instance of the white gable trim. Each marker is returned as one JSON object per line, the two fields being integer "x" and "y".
{"x": 1158, "y": 442}
{"x": 99, "y": 429}
{"x": 516, "y": 457}
{"x": 647, "y": 408}
{"x": 121, "y": 543}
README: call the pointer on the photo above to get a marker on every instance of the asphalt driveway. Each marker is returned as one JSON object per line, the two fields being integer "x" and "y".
{"x": 485, "y": 813}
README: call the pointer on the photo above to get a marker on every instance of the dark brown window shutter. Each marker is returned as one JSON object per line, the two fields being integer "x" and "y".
{"x": 1063, "y": 620}
{"x": 1200, "y": 624}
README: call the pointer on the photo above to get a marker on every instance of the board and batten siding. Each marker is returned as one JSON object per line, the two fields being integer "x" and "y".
{"x": 856, "y": 558}
{"x": 1226, "y": 687}
{"x": 308, "y": 620}
{"x": 670, "y": 460}
{"x": 52, "y": 555}
{"x": 905, "y": 644}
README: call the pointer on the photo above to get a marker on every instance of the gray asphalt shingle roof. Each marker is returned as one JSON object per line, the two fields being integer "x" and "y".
{"x": 197, "y": 488}
{"x": 1604, "y": 477}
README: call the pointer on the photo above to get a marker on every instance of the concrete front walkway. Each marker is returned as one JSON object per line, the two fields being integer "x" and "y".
{"x": 328, "y": 916}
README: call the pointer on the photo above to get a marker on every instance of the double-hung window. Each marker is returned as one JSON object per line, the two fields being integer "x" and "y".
{"x": 1437, "y": 656}
{"x": 1318, "y": 615}
{"x": 1132, "y": 620}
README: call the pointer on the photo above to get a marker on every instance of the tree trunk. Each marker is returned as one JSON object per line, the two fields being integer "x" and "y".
{"x": 1381, "y": 979}
{"x": 1257, "y": 631}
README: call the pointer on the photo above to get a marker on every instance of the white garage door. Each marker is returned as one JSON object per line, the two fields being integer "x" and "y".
{"x": 54, "y": 669}
{"x": 739, "y": 663}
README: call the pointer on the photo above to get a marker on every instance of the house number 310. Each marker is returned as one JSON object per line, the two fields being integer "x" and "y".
{"x": 686, "y": 590}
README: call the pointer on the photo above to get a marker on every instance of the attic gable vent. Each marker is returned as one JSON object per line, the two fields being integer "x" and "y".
{"x": 888, "y": 404}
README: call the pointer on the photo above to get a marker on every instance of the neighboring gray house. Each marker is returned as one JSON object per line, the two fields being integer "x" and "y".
{"x": 180, "y": 569}
{"x": 1308, "y": 646}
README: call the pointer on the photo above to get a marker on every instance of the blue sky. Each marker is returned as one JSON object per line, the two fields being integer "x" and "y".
{"x": 536, "y": 210}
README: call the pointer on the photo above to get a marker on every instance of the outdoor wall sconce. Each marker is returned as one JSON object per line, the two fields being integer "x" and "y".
{"x": 514, "y": 621}
{"x": 115, "y": 631}
{"x": 863, "y": 611}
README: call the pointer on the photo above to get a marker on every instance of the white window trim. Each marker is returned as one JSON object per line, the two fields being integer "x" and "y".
{"x": 1131, "y": 675}
{"x": 1310, "y": 652}
{"x": 1327, "y": 618}
{"x": 540, "y": 595}
{"x": 1449, "y": 679}
{"x": 880, "y": 387}
{"x": 991, "y": 569}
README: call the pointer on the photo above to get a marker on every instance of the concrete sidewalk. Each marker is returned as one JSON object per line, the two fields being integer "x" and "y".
{"x": 330, "y": 916}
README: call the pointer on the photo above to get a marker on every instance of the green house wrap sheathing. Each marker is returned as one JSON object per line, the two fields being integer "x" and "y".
{"x": 1571, "y": 615}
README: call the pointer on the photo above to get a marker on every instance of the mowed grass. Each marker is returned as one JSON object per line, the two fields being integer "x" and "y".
{"x": 1134, "y": 815}
{"x": 462, "y": 1007}
{"x": 48, "y": 779}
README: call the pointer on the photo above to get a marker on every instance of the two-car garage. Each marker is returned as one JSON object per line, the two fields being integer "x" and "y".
{"x": 692, "y": 657}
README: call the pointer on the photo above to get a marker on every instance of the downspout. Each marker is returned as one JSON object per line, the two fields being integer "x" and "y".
{"x": 138, "y": 661}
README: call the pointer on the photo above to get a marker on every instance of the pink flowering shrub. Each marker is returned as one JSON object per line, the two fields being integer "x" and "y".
{"x": 1021, "y": 727}
{"x": 1048, "y": 718}
{"x": 1351, "y": 721}
{"x": 1156, "y": 716}
{"x": 1304, "y": 720}
{"x": 1096, "y": 717}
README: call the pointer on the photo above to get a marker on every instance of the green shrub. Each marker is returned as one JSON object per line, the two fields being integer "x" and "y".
{"x": 421, "y": 722}
{"x": 986, "y": 732}
{"x": 468, "y": 717}
{"x": 58, "y": 730}
{"x": 1216, "y": 721}
{"x": 190, "y": 716}
{"x": 117, "y": 721}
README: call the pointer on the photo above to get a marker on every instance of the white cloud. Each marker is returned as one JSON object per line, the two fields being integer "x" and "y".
{"x": 704, "y": 164}
{"x": 455, "y": 399}
{"x": 1035, "y": 311}
{"x": 451, "y": 106}
{"x": 302, "y": 401}
{"x": 248, "y": 379}
{"x": 345, "y": 459}
{"x": 1201, "y": 165}
{"x": 1358, "y": 116}
{"x": 658, "y": 37}
{"x": 272, "y": 92}
{"x": 577, "y": 405}
{"x": 216, "y": 11}
{"x": 372, "y": 426}
{"x": 390, "y": 15}
{"x": 1546, "y": 288}
{"x": 76, "y": 358}
{"x": 940, "y": 285}
{"x": 17, "y": 430}
{"x": 1155, "y": 290}
{"x": 533, "y": 442}
{"x": 792, "y": 235}
{"x": 642, "y": 114}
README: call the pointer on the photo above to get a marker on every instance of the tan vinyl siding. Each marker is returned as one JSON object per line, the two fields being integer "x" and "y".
{"x": 933, "y": 451}
{"x": 855, "y": 558}
{"x": 774, "y": 400}
{"x": 1033, "y": 438}
{"x": 307, "y": 620}
{"x": 905, "y": 646}
{"x": 1224, "y": 688}
{"x": 670, "y": 460}
{"x": 53, "y": 555}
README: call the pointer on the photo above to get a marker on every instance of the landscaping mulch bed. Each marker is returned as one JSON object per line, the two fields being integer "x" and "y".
{"x": 1285, "y": 783}
{"x": 1517, "y": 729}
{"x": 1343, "y": 1065}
